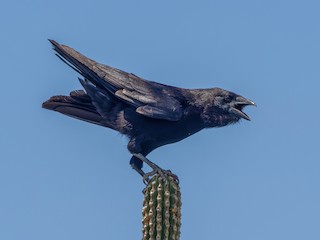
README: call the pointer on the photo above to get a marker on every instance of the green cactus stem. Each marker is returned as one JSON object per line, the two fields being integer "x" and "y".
{"x": 161, "y": 212}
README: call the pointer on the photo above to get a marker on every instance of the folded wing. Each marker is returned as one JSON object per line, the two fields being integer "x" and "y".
{"x": 150, "y": 99}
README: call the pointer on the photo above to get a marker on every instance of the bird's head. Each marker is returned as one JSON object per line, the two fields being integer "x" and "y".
{"x": 226, "y": 107}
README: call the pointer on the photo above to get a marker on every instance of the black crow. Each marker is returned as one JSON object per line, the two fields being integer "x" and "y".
{"x": 150, "y": 114}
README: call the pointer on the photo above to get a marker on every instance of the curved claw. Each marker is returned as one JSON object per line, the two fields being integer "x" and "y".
{"x": 146, "y": 177}
{"x": 163, "y": 173}
{"x": 156, "y": 170}
{"x": 174, "y": 176}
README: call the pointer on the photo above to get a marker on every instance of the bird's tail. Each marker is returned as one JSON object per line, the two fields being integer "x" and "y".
{"x": 77, "y": 105}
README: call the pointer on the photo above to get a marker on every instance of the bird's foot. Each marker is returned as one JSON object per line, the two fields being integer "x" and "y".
{"x": 156, "y": 170}
{"x": 163, "y": 173}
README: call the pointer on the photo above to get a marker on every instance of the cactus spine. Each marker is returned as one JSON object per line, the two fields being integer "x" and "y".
{"x": 161, "y": 212}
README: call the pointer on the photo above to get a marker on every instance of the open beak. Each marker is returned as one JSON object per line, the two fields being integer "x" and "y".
{"x": 239, "y": 104}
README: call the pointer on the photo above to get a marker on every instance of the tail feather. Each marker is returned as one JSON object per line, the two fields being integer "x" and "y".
{"x": 77, "y": 105}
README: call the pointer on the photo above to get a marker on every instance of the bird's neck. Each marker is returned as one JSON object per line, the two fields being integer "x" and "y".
{"x": 218, "y": 120}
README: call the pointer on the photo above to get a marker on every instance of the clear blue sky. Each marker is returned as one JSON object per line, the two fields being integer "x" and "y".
{"x": 65, "y": 179}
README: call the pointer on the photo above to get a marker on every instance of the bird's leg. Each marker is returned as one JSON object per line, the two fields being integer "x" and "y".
{"x": 138, "y": 170}
{"x": 145, "y": 176}
{"x": 156, "y": 169}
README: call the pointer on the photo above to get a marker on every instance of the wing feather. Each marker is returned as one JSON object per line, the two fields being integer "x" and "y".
{"x": 150, "y": 99}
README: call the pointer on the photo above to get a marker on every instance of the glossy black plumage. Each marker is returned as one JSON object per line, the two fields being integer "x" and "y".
{"x": 149, "y": 113}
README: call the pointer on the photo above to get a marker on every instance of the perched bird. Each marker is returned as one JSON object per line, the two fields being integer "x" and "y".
{"x": 150, "y": 114}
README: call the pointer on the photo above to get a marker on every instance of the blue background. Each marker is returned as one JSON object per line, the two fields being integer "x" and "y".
{"x": 65, "y": 179}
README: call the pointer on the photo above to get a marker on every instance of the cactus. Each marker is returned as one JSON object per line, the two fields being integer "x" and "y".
{"x": 161, "y": 212}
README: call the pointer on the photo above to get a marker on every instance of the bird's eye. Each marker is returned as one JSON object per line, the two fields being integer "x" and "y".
{"x": 228, "y": 98}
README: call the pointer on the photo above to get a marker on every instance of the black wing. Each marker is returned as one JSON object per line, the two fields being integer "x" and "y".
{"x": 150, "y": 99}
